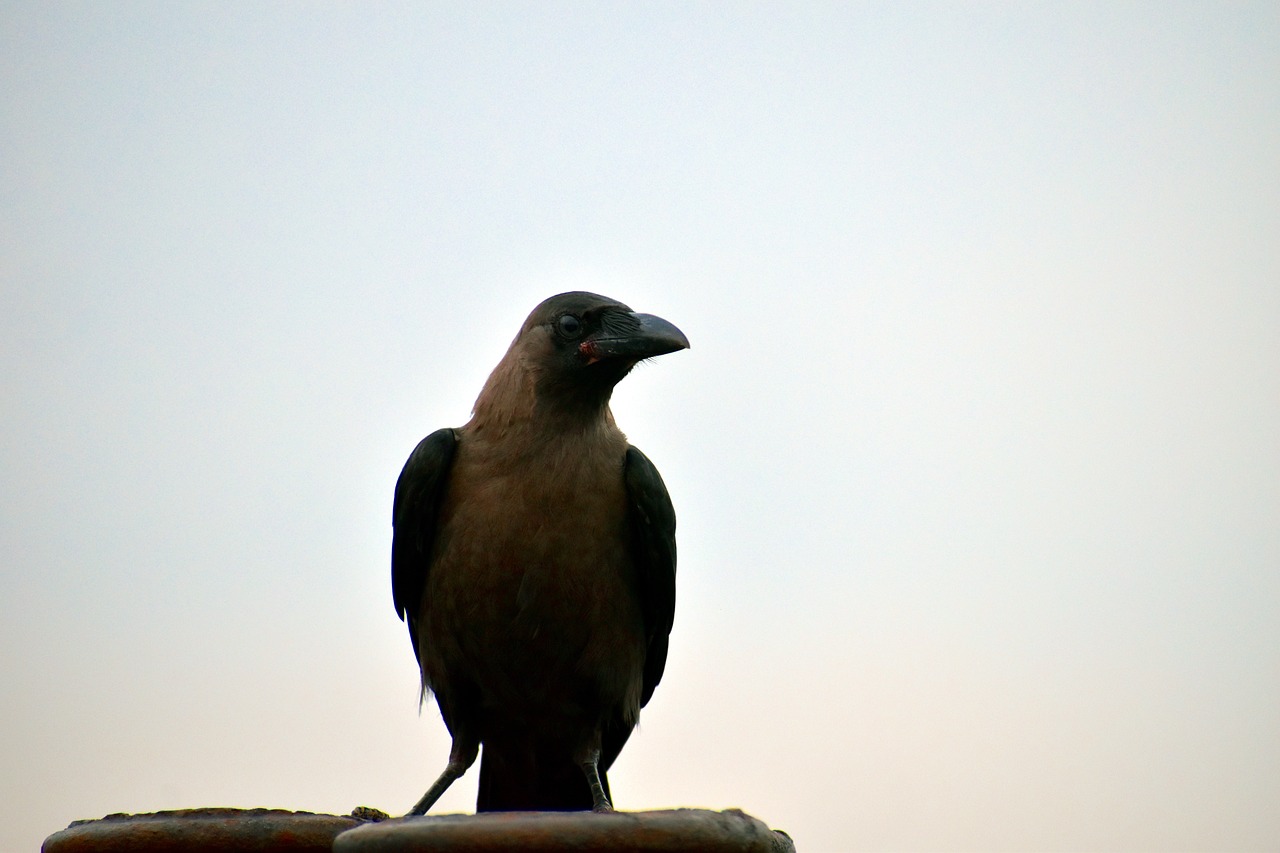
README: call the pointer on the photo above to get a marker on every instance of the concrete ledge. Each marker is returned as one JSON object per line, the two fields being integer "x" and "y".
{"x": 232, "y": 830}
{"x": 581, "y": 832}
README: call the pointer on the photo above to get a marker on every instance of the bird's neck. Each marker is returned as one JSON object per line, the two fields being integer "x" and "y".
{"x": 516, "y": 403}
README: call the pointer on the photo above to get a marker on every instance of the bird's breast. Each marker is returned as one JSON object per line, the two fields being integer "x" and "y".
{"x": 532, "y": 581}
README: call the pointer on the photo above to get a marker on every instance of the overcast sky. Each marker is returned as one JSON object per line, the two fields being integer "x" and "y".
{"x": 976, "y": 454}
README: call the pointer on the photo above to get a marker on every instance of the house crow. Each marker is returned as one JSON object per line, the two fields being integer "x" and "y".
{"x": 534, "y": 562}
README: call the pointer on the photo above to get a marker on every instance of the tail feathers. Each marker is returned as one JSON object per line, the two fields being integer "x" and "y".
{"x": 527, "y": 779}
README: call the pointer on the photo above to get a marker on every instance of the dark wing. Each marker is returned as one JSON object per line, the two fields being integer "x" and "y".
{"x": 653, "y": 537}
{"x": 419, "y": 494}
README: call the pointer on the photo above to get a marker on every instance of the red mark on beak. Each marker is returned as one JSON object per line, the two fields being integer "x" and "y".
{"x": 589, "y": 351}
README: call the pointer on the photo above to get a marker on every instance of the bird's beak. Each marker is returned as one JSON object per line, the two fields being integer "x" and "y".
{"x": 650, "y": 336}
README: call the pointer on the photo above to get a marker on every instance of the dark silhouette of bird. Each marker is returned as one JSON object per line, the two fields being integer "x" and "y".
{"x": 534, "y": 562}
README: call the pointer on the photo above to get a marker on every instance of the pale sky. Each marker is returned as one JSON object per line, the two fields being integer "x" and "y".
{"x": 976, "y": 454}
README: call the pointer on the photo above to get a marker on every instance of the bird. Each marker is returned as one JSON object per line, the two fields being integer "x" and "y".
{"x": 534, "y": 563}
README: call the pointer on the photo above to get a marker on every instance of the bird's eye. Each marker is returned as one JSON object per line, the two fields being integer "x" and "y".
{"x": 569, "y": 325}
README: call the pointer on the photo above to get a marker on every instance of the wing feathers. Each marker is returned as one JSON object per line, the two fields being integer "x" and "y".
{"x": 419, "y": 494}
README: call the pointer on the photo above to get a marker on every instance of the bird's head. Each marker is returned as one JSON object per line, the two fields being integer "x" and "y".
{"x": 579, "y": 345}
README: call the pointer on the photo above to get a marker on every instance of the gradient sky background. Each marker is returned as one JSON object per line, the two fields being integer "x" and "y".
{"x": 976, "y": 453}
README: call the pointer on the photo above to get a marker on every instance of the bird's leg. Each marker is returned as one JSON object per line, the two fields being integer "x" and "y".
{"x": 589, "y": 761}
{"x": 461, "y": 756}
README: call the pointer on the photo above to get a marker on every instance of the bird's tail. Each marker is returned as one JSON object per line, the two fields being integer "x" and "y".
{"x": 525, "y": 778}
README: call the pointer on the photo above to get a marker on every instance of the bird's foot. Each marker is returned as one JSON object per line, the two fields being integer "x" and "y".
{"x": 461, "y": 756}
